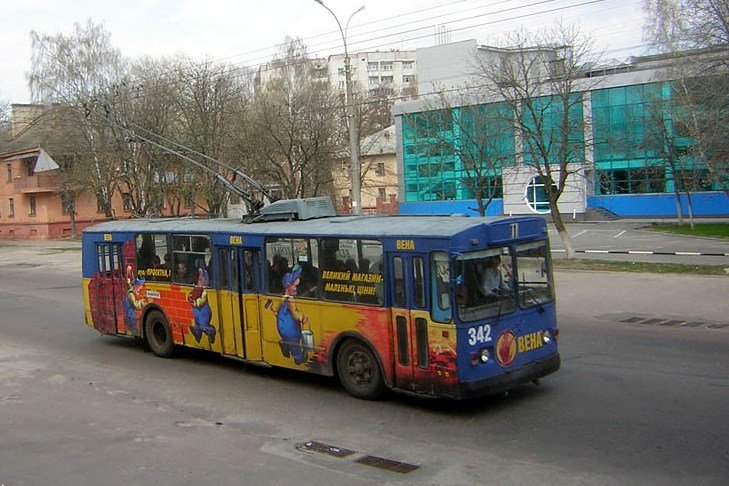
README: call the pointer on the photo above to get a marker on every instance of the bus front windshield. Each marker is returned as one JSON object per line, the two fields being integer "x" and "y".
{"x": 534, "y": 274}
{"x": 484, "y": 284}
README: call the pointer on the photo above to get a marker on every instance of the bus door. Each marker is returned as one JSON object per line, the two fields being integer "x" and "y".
{"x": 410, "y": 322}
{"x": 111, "y": 288}
{"x": 238, "y": 302}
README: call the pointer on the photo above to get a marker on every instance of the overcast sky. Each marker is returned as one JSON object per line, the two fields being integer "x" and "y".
{"x": 247, "y": 32}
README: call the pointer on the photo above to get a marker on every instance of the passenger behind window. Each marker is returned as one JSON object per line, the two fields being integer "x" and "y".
{"x": 183, "y": 274}
{"x": 309, "y": 283}
{"x": 278, "y": 269}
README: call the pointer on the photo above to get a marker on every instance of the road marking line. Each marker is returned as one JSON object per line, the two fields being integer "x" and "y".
{"x": 597, "y": 251}
{"x": 637, "y": 252}
{"x": 688, "y": 253}
{"x": 580, "y": 233}
{"x": 619, "y": 234}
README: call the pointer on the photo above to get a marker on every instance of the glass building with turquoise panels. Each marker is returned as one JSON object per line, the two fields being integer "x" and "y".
{"x": 626, "y": 122}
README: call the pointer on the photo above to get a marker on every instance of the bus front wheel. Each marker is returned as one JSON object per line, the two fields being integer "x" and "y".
{"x": 158, "y": 335}
{"x": 358, "y": 370}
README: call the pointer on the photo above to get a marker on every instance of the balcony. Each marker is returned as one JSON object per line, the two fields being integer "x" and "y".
{"x": 36, "y": 183}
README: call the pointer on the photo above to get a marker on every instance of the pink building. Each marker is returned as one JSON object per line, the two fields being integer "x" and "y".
{"x": 32, "y": 204}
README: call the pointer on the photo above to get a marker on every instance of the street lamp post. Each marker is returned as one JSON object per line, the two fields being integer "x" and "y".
{"x": 355, "y": 171}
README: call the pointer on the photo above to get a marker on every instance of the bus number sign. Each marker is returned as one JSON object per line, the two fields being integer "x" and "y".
{"x": 236, "y": 240}
{"x": 107, "y": 237}
{"x": 479, "y": 334}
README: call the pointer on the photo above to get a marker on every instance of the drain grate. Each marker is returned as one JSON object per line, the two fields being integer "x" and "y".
{"x": 673, "y": 322}
{"x": 717, "y": 326}
{"x": 663, "y": 321}
{"x": 693, "y": 324}
{"x": 388, "y": 464}
{"x": 313, "y": 446}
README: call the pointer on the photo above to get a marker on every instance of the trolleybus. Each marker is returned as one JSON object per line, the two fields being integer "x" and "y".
{"x": 439, "y": 306}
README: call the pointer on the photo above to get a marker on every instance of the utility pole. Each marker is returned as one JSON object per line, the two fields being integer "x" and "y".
{"x": 355, "y": 169}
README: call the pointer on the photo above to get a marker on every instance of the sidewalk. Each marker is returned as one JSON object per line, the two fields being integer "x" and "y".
{"x": 62, "y": 255}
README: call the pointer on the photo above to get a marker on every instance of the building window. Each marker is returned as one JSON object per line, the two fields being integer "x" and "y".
{"x": 407, "y": 79}
{"x": 30, "y": 166}
{"x": 374, "y": 80}
{"x": 341, "y": 71}
{"x": 380, "y": 169}
{"x": 381, "y": 193}
{"x": 372, "y": 66}
{"x": 10, "y": 173}
{"x": 11, "y": 208}
{"x": 190, "y": 200}
{"x": 31, "y": 202}
{"x": 407, "y": 64}
{"x": 386, "y": 80}
{"x": 536, "y": 195}
{"x": 126, "y": 201}
{"x": 386, "y": 66}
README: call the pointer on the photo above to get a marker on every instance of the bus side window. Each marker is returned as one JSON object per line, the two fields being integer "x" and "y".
{"x": 399, "y": 281}
{"x": 418, "y": 283}
{"x": 440, "y": 287}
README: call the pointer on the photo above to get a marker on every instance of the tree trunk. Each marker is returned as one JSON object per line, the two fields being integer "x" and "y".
{"x": 562, "y": 231}
{"x": 72, "y": 220}
{"x": 481, "y": 207}
{"x": 679, "y": 209}
{"x": 689, "y": 207}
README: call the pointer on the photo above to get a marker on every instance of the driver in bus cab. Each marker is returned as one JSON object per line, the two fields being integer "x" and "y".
{"x": 490, "y": 280}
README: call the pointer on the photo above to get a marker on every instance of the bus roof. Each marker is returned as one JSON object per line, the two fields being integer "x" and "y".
{"x": 355, "y": 226}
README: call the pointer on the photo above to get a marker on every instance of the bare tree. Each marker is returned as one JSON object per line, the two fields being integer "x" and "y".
{"x": 296, "y": 126}
{"x": 662, "y": 139}
{"x": 210, "y": 105}
{"x": 540, "y": 78}
{"x": 4, "y": 121}
{"x": 76, "y": 71}
{"x": 472, "y": 140}
{"x": 144, "y": 100}
{"x": 695, "y": 33}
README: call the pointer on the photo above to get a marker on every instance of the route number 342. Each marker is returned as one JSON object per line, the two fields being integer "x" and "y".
{"x": 479, "y": 334}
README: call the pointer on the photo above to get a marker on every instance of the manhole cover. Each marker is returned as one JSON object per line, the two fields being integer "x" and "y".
{"x": 663, "y": 321}
{"x": 313, "y": 446}
{"x": 388, "y": 464}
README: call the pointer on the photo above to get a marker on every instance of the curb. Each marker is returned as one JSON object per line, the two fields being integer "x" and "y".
{"x": 642, "y": 252}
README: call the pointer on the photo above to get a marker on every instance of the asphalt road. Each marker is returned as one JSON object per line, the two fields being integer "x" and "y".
{"x": 634, "y": 403}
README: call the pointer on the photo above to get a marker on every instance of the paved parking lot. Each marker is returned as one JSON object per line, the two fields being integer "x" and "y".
{"x": 614, "y": 239}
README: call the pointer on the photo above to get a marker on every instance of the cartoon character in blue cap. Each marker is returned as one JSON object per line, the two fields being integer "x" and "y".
{"x": 201, "y": 311}
{"x": 289, "y": 319}
{"x": 133, "y": 301}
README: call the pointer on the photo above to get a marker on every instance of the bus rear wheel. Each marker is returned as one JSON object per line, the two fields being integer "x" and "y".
{"x": 158, "y": 335}
{"x": 358, "y": 370}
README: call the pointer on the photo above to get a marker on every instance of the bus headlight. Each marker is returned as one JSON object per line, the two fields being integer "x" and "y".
{"x": 546, "y": 338}
{"x": 484, "y": 355}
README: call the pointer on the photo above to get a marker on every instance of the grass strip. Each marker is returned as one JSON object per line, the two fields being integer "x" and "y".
{"x": 640, "y": 267}
{"x": 711, "y": 230}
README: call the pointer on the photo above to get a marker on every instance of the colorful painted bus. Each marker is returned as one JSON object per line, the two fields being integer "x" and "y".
{"x": 440, "y": 306}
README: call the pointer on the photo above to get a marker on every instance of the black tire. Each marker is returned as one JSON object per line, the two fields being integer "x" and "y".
{"x": 158, "y": 334}
{"x": 359, "y": 371}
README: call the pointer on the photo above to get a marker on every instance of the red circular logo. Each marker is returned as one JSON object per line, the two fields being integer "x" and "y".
{"x": 506, "y": 348}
